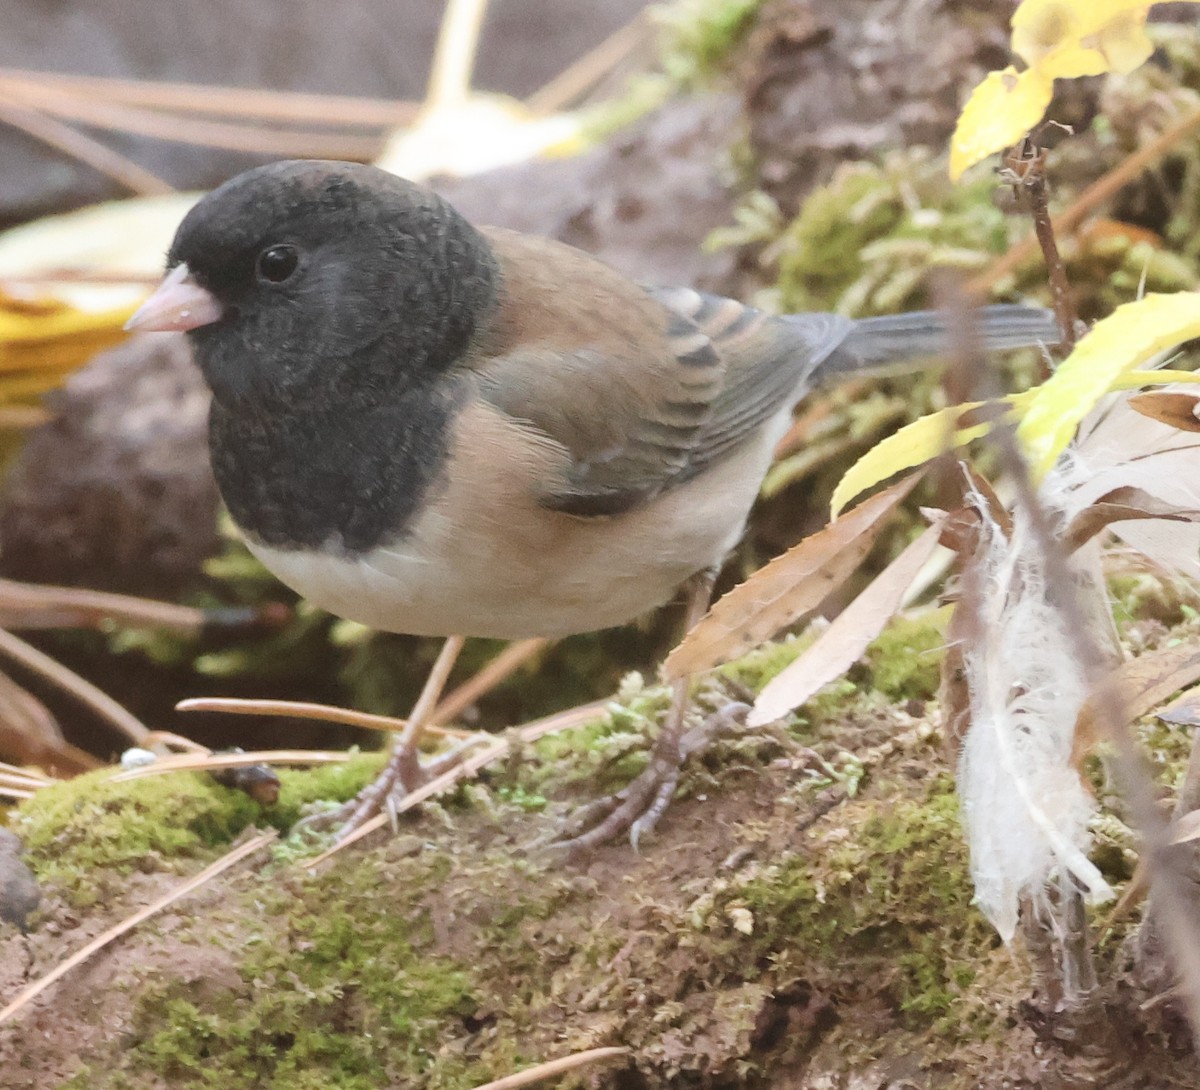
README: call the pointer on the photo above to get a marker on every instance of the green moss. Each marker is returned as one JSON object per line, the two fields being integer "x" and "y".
{"x": 905, "y": 661}
{"x": 91, "y": 826}
{"x": 700, "y": 35}
{"x": 84, "y": 835}
{"x": 321, "y": 783}
{"x": 863, "y": 244}
{"x": 599, "y": 756}
{"x": 1139, "y": 596}
{"x": 353, "y": 995}
{"x": 891, "y": 902}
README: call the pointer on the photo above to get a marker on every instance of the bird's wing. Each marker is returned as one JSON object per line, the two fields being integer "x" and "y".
{"x": 639, "y": 388}
{"x": 768, "y": 363}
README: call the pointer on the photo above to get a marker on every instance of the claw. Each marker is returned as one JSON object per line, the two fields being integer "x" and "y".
{"x": 639, "y": 807}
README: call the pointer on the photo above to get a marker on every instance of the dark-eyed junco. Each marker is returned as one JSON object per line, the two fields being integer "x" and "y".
{"x": 440, "y": 429}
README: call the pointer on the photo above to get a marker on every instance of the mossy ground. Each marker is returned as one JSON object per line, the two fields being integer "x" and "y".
{"x": 805, "y": 907}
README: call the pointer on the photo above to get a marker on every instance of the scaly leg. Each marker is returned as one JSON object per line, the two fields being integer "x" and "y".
{"x": 639, "y": 806}
{"x": 403, "y": 768}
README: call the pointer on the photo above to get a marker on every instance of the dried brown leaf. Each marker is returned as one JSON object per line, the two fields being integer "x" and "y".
{"x": 1142, "y": 684}
{"x": 1186, "y": 828}
{"x": 30, "y": 735}
{"x": 1121, "y": 505}
{"x": 790, "y": 586}
{"x": 1168, "y": 407}
{"x": 1183, "y": 711}
{"x": 840, "y": 646}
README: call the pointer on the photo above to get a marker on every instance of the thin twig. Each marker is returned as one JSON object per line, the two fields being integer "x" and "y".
{"x": 554, "y": 1067}
{"x": 454, "y": 56}
{"x": 130, "y": 922}
{"x": 83, "y": 148}
{"x": 252, "y": 102}
{"x": 501, "y": 667}
{"x": 70, "y": 682}
{"x": 582, "y": 75}
{"x": 1103, "y": 189}
{"x": 1025, "y": 171}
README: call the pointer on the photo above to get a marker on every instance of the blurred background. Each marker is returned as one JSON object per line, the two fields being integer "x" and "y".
{"x": 782, "y": 151}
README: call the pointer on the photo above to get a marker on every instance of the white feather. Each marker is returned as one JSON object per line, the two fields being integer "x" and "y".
{"x": 1024, "y": 806}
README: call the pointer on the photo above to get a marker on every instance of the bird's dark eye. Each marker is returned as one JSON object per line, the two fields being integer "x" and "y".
{"x": 277, "y": 263}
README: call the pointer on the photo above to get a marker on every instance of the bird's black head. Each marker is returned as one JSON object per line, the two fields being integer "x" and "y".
{"x": 332, "y": 282}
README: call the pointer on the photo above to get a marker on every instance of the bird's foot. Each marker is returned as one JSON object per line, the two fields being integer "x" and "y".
{"x": 638, "y": 808}
{"x": 403, "y": 774}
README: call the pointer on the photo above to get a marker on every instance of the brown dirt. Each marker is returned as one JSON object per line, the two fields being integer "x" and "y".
{"x": 641, "y": 950}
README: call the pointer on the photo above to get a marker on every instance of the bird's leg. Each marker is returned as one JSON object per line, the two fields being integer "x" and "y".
{"x": 639, "y": 806}
{"x": 404, "y": 765}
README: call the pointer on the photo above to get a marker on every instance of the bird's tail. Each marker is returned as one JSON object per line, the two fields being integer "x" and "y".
{"x": 876, "y": 342}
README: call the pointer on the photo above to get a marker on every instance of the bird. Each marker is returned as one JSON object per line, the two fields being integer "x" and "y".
{"x": 443, "y": 429}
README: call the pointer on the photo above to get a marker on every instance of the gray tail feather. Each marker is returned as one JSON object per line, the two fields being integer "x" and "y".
{"x": 875, "y": 342}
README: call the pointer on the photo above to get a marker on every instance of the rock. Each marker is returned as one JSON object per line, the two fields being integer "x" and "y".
{"x": 116, "y": 491}
{"x": 19, "y": 893}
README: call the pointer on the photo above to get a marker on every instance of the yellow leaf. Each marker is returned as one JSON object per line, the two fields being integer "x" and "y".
{"x": 1119, "y": 344}
{"x": 1000, "y": 111}
{"x": 946, "y": 429}
{"x": 1068, "y": 38}
{"x": 918, "y": 442}
{"x": 1057, "y": 39}
{"x": 42, "y": 340}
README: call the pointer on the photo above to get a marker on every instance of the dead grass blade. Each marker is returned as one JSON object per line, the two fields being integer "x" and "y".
{"x": 501, "y": 667}
{"x": 34, "y": 775}
{"x": 210, "y": 762}
{"x": 243, "y": 102}
{"x": 575, "y": 81}
{"x": 39, "y": 605}
{"x": 69, "y": 681}
{"x": 21, "y": 783}
{"x": 231, "y": 136}
{"x": 554, "y": 1067}
{"x": 298, "y": 709}
{"x": 786, "y": 589}
{"x": 841, "y": 644}
{"x": 454, "y": 54}
{"x": 62, "y": 137}
{"x": 230, "y": 859}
